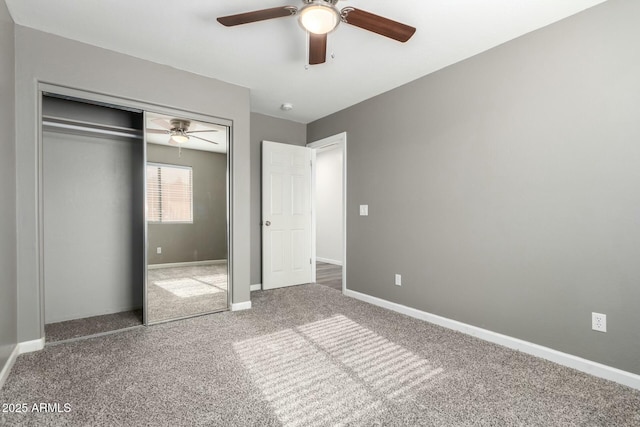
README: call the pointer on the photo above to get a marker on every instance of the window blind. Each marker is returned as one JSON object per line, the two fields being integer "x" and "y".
{"x": 169, "y": 193}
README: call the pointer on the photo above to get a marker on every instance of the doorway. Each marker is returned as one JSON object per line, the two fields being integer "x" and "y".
{"x": 329, "y": 195}
{"x": 290, "y": 250}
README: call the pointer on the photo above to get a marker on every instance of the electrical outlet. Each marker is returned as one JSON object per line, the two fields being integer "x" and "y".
{"x": 599, "y": 322}
{"x": 398, "y": 280}
{"x": 158, "y": 250}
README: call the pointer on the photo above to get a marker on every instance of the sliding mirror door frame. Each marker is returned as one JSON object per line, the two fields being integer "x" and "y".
{"x": 228, "y": 208}
{"x": 125, "y": 104}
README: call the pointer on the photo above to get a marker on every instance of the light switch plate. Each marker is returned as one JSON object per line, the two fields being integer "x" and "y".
{"x": 398, "y": 281}
{"x": 364, "y": 210}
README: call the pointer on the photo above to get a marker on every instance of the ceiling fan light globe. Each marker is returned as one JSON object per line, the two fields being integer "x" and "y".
{"x": 179, "y": 139}
{"x": 318, "y": 18}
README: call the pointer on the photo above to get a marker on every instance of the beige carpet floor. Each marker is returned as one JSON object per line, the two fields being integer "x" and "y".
{"x": 305, "y": 356}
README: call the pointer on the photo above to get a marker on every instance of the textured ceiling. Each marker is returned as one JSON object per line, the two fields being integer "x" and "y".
{"x": 269, "y": 57}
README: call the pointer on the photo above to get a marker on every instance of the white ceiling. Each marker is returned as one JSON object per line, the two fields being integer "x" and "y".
{"x": 269, "y": 57}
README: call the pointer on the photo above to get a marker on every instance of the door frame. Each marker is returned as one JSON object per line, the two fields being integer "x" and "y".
{"x": 339, "y": 140}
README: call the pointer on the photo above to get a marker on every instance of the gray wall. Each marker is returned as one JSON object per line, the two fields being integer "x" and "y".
{"x": 93, "y": 225}
{"x": 206, "y": 237}
{"x": 42, "y": 57}
{"x": 93, "y": 221}
{"x": 266, "y": 128}
{"x": 8, "y": 289}
{"x": 504, "y": 188}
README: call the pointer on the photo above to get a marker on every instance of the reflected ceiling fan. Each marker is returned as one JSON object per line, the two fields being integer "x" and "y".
{"x": 179, "y": 132}
{"x": 320, "y": 17}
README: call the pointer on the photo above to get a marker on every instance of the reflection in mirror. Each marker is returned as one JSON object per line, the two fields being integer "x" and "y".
{"x": 186, "y": 210}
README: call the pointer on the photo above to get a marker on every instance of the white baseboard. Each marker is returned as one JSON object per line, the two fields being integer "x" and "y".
{"x": 256, "y": 287}
{"x": 20, "y": 348}
{"x": 30, "y": 346}
{"x": 6, "y": 369}
{"x": 186, "y": 264}
{"x": 329, "y": 260}
{"x": 593, "y": 368}
{"x": 241, "y": 306}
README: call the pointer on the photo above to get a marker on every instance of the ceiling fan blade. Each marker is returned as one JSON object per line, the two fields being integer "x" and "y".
{"x": 377, "y": 24}
{"x": 257, "y": 15}
{"x": 202, "y": 139}
{"x": 163, "y": 132}
{"x": 317, "y": 48}
{"x": 162, "y": 122}
{"x": 199, "y": 131}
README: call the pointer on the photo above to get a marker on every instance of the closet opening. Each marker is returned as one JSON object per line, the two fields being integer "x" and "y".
{"x": 92, "y": 217}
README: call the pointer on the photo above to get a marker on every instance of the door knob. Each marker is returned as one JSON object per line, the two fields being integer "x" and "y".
{"x": 268, "y": 223}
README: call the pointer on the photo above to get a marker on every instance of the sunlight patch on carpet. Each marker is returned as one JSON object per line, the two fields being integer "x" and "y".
{"x": 383, "y": 365}
{"x": 218, "y": 280}
{"x": 186, "y": 287}
{"x": 333, "y": 371}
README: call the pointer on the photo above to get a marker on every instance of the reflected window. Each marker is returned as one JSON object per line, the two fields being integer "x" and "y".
{"x": 169, "y": 193}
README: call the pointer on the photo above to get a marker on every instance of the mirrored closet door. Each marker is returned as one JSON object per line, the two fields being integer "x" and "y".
{"x": 186, "y": 213}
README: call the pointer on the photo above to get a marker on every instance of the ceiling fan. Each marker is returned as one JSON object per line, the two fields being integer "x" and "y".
{"x": 179, "y": 132}
{"x": 320, "y": 17}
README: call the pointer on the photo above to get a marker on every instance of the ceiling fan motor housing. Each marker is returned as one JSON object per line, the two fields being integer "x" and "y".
{"x": 331, "y": 2}
{"x": 180, "y": 125}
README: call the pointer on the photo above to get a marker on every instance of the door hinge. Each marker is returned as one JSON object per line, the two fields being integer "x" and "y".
{"x": 309, "y": 260}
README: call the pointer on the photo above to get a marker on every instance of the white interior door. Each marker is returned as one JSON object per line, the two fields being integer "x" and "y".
{"x": 286, "y": 215}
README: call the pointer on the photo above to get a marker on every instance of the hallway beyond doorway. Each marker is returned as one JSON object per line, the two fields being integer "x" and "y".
{"x": 329, "y": 275}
